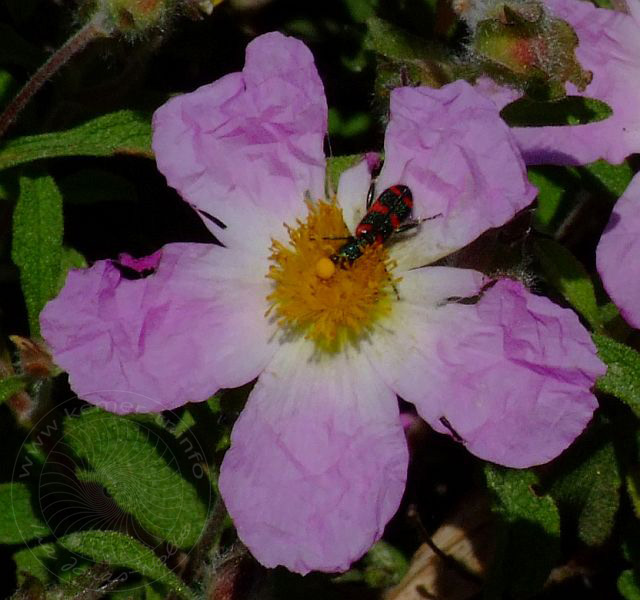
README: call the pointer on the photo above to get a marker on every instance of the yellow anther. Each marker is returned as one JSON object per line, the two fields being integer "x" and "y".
{"x": 312, "y": 296}
{"x": 325, "y": 268}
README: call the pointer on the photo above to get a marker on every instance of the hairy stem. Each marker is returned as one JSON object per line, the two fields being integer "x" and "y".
{"x": 77, "y": 42}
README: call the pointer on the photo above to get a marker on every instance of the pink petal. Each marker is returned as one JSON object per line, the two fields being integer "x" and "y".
{"x": 511, "y": 374}
{"x": 249, "y": 143}
{"x": 176, "y": 336}
{"x": 317, "y": 464}
{"x": 352, "y": 193}
{"x": 618, "y": 254}
{"x": 610, "y": 48}
{"x": 459, "y": 160}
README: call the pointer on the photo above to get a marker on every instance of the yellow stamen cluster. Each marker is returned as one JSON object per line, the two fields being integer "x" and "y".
{"x": 330, "y": 304}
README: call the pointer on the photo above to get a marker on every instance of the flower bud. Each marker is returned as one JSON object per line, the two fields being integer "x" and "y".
{"x": 138, "y": 16}
{"x": 518, "y": 43}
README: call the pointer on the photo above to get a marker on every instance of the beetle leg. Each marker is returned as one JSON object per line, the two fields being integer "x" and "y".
{"x": 413, "y": 223}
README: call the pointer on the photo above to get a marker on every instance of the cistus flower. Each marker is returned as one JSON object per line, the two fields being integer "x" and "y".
{"x": 318, "y": 457}
{"x": 609, "y": 47}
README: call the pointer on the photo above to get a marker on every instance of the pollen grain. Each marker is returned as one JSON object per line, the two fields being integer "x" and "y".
{"x": 329, "y": 304}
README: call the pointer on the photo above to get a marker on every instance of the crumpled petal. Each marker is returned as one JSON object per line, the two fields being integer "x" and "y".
{"x": 194, "y": 325}
{"x": 610, "y": 48}
{"x": 618, "y": 254}
{"x": 461, "y": 163}
{"x": 250, "y": 143}
{"x": 511, "y": 374}
{"x": 317, "y": 463}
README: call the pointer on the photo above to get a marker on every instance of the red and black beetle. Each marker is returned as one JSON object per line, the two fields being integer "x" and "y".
{"x": 385, "y": 216}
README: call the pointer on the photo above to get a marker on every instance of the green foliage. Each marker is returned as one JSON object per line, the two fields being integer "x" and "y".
{"x": 384, "y": 565}
{"x": 37, "y": 242}
{"x": 138, "y": 465}
{"x": 19, "y": 520}
{"x": 623, "y": 371}
{"x": 123, "y": 132}
{"x": 588, "y": 484}
{"x": 528, "y": 534}
{"x": 71, "y": 259}
{"x": 381, "y": 567}
{"x": 613, "y": 178}
{"x": 7, "y": 87}
{"x": 47, "y": 562}
{"x": 572, "y": 110}
{"x": 629, "y": 585}
{"x": 555, "y": 187}
{"x": 565, "y": 273}
{"x": 119, "y": 550}
{"x": 336, "y": 165}
{"x": 10, "y": 386}
{"x": 390, "y": 41}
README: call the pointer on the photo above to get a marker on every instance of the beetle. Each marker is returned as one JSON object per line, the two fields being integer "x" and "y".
{"x": 387, "y": 215}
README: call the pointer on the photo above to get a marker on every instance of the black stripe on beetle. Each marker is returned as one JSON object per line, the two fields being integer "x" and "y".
{"x": 389, "y": 211}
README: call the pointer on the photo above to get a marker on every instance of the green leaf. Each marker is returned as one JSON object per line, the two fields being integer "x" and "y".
{"x": 556, "y": 196}
{"x": 587, "y": 484}
{"x": 96, "y": 185}
{"x": 336, "y": 165}
{"x": 48, "y": 562}
{"x": 614, "y": 178}
{"x": 123, "y": 132}
{"x": 622, "y": 378}
{"x": 361, "y": 10}
{"x": 138, "y": 465}
{"x": 566, "y": 274}
{"x": 571, "y": 110}
{"x": 19, "y": 522}
{"x": 384, "y": 565}
{"x": 391, "y": 41}
{"x": 120, "y": 550}
{"x": 37, "y": 243}
{"x": 349, "y": 126}
{"x": 10, "y": 386}
{"x": 71, "y": 259}
{"x": 629, "y": 585}
{"x": 7, "y": 87}
{"x": 528, "y": 539}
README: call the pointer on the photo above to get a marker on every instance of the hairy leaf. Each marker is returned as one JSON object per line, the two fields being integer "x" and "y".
{"x": 614, "y": 178}
{"x": 565, "y": 273}
{"x": 571, "y": 110}
{"x": 19, "y": 521}
{"x": 37, "y": 243}
{"x": 140, "y": 468}
{"x": 528, "y": 543}
{"x": 118, "y": 550}
{"x": 588, "y": 485}
{"x": 122, "y": 132}
{"x": 622, "y": 378}
{"x": 629, "y": 585}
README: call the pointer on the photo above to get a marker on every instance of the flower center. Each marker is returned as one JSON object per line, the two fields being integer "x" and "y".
{"x": 331, "y": 307}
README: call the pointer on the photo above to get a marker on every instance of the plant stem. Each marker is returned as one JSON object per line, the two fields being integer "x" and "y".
{"x": 77, "y": 42}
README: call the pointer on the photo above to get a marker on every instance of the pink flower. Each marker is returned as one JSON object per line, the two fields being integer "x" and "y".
{"x": 318, "y": 458}
{"x": 610, "y": 48}
{"x": 618, "y": 252}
